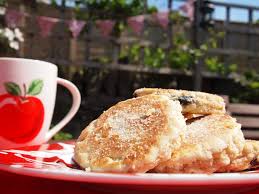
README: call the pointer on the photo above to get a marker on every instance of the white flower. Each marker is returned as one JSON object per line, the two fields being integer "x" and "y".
{"x": 9, "y": 34}
{"x": 2, "y": 10}
{"x": 13, "y": 37}
{"x": 184, "y": 47}
{"x": 18, "y": 35}
{"x": 14, "y": 45}
{"x": 44, "y": 1}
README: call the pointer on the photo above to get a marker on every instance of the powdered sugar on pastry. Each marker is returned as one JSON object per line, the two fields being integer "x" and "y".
{"x": 132, "y": 136}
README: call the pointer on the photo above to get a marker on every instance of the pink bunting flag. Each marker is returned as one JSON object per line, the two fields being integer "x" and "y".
{"x": 105, "y": 26}
{"x": 162, "y": 18}
{"x": 13, "y": 18}
{"x": 46, "y": 24}
{"x": 136, "y": 23}
{"x": 188, "y": 9}
{"x": 76, "y": 26}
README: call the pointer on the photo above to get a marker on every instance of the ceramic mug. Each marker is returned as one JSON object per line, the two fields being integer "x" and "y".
{"x": 27, "y": 99}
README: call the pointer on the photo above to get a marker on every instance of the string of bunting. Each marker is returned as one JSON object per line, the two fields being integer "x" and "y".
{"x": 188, "y": 9}
{"x": 13, "y": 19}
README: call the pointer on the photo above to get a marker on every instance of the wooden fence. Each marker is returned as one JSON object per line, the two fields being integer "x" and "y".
{"x": 239, "y": 45}
{"x": 102, "y": 85}
{"x": 247, "y": 115}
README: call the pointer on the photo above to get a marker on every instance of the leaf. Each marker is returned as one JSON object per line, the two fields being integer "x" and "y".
{"x": 12, "y": 88}
{"x": 233, "y": 67}
{"x": 254, "y": 85}
{"x": 35, "y": 87}
{"x": 61, "y": 136}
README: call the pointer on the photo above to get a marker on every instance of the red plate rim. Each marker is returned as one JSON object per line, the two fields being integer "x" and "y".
{"x": 137, "y": 179}
{"x": 75, "y": 175}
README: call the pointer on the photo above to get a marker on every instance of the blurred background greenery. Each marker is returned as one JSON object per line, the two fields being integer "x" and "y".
{"x": 194, "y": 52}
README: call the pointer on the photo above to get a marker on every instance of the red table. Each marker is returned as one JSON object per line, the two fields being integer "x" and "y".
{"x": 13, "y": 183}
{"x": 16, "y": 183}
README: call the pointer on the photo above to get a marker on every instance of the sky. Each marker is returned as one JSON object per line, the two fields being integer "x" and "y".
{"x": 240, "y": 15}
{"x": 237, "y": 14}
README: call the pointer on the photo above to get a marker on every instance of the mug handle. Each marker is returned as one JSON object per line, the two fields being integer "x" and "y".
{"x": 74, "y": 108}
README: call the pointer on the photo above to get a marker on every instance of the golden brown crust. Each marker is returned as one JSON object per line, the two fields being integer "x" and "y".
{"x": 132, "y": 136}
{"x": 249, "y": 158}
{"x": 193, "y": 102}
{"x": 149, "y": 133}
{"x": 209, "y": 144}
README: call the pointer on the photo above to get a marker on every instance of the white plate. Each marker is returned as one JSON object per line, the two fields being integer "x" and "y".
{"x": 54, "y": 161}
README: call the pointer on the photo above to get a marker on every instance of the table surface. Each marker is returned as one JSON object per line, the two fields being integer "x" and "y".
{"x": 15, "y": 183}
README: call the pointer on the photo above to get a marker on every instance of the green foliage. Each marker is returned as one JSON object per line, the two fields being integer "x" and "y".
{"x": 4, "y": 43}
{"x": 102, "y": 60}
{"x": 61, "y": 136}
{"x": 134, "y": 53}
{"x": 154, "y": 57}
{"x": 110, "y": 9}
{"x": 177, "y": 18}
{"x": 180, "y": 59}
{"x": 248, "y": 90}
{"x": 130, "y": 54}
{"x": 249, "y": 79}
{"x": 182, "y": 55}
{"x": 152, "y": 9}
{"x": 54, "y": 3}
{"x": 2, "y": 2}
{"x": 212, "y": 41}
{"x": 214, "y": 65}
{"x": 118, "y": 10}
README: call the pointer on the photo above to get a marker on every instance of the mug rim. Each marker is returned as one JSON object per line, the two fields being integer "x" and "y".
{"x": 29, "y": 60}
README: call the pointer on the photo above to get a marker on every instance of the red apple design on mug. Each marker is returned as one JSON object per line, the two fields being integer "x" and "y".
{"x": 21, "y": 113}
